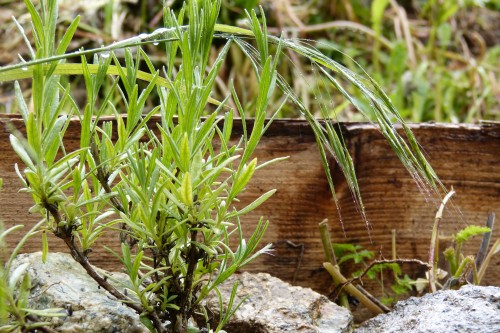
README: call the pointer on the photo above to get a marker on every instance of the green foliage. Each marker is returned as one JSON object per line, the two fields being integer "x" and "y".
{"x": 465, "y": 269}
{"x": 460, "y": 266}
{"x": 355, "y": 253}
{"x": 170, "y": 191}
{"x": 431, "y": 60}
{"x": 360, "y": 258}
{"x": 469, "y": 232}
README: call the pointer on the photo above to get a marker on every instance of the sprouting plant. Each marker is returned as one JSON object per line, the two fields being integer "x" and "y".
{"x": 166, "y": 178}
{"x": 357, "y": 257}
{"x": 338, "y": 254}
{"x": 462, "y": 269}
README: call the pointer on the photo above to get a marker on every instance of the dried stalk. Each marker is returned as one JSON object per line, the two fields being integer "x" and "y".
{"x": 494, "y": 249}
{"x": 387, "y": 261}
{"x": 327, "y": 242}
{"x": 339, "y": 279}
{"x": 434, "y": 248}
{"x": 485, "y": 243}
{"x": 373, "y": 299}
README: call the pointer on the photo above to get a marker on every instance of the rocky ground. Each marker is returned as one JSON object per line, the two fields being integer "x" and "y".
{"x": 269, "y": 305}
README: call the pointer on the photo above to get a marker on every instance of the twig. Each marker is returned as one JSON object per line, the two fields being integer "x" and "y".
{"x": 103, "y": 177}
{"x": 368, "y": 300}
{"x": 186, "y": 297}
{"x": 387, "y": 261}
{"x": 339, "y": 279}
{"x": 373, "y": 299}
{"x": 434, "y": 248}
{"x": 66, "y": 235}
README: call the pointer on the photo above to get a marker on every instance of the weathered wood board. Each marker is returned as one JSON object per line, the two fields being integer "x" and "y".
{"x": 466, "y": 157}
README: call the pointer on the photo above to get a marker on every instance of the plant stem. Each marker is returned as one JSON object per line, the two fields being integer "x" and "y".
{"x": 373, "y": 299}
{"x": 434, "y": 247}
{"x": 485, "y": 243}
{"x": 494, "y": 249}
{"x": 330, "y": 255}
{"x": 394, "y": 249}
{"x": 394, "y": 261}
{"x": 339, "y": 279}
{"x": 185, "y": 309}
{"x": 327, "y": 242}
{"x": 82, "y": 259}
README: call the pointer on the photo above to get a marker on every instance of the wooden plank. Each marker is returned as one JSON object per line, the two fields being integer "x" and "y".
{"x": 465, "y": 156}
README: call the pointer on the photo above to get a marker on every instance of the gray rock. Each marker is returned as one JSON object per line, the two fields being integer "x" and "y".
{"x": 274, "y": 306}
{"x": 471, "y": 309}
{"x": 61, "y": 282}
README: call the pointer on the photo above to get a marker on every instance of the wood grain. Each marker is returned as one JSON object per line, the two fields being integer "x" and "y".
{"x": 466, "y": 157}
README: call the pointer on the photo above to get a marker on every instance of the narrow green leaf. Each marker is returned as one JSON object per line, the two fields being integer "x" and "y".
{"x": 45, "y": 246}
{"x": 148, "y": 323}
{"x": 187, "y": 190}
{"x": 21, "y": 102}
{"x": 243, "y": 177}
{"x": 52, "y": 312}
{"x": 68, "y": 36}
{"x": 256, "y": 203}
{"x": 21, "y": 151}
{"x": 228, "y": 126}
{"x": 16, "y": 275}
{"x": 52, "y": 140}
{"x": 185, "y": 153}
{"x": 134, "y": 273}
{"x": 37, "y": 23}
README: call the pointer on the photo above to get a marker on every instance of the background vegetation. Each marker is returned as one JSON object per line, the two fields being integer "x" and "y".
{"x": 436, "y": 59}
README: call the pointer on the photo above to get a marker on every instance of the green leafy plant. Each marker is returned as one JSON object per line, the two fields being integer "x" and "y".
{"x": 379, "y": 271}
{"x": 172, "y": 193}
{"x": 462, "y": 269}
{"x": 361, "y": 258}
{"x": 167, "y": 189}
